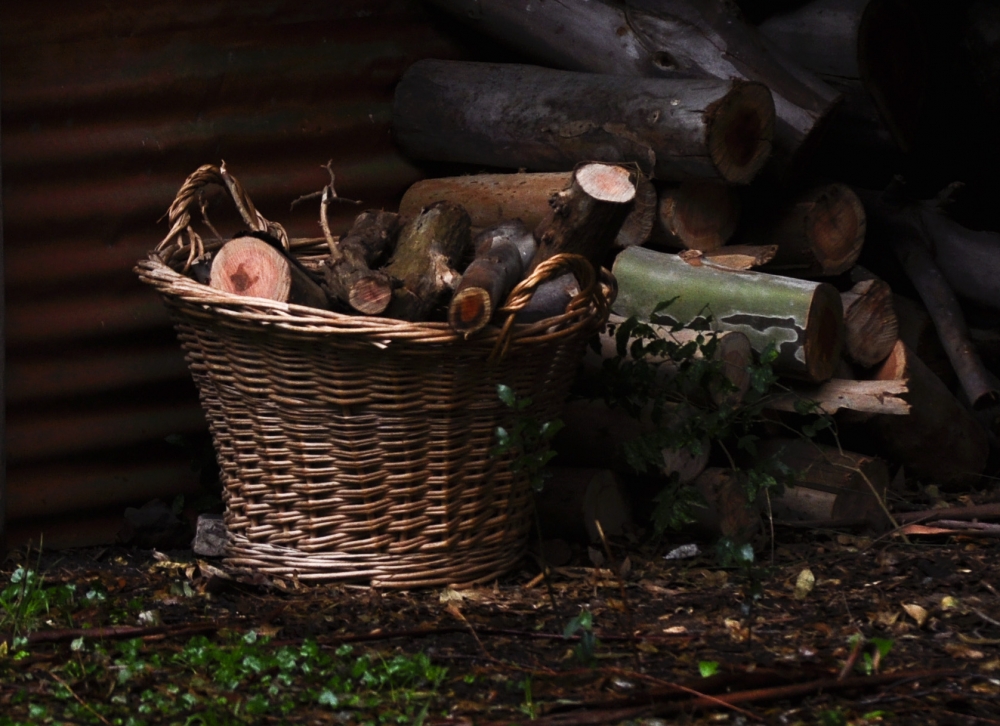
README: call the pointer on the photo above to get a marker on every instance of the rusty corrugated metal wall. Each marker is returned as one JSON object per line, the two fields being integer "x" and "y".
{"x": 106, "y": 108}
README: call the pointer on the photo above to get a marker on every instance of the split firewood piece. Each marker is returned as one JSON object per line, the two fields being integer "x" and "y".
{"x": 873, "y": 51}
{"x": 502, "y": 254}
{"x": 728, "y": 511}
{"x": 732, "y": 349}
{"x": 819, "y": 235}
{"x": 659, "y": 38}
{"x": 732, "y": 257}
{"x": 803, "y": 320}
{"x": 595, "y": 434}
{"x": 698, "y": 214}
{"x": 575, "y": 498}
{"x": 348, "y": 272}
{"x": 916, "y": 329}
{"x": 671, "y": 128}
{"x": 494, "y": 198}
{"x": 255, "y": 265}
{"x": 870, "y": 324}
{"x": 939, "y": 440}
{"x": 911, "y": 243}
{"x": 585, "y": 218}
{"x": 429, "y": 248}
{"x": 830, "y": 484}
{"x": 838, "y": 394}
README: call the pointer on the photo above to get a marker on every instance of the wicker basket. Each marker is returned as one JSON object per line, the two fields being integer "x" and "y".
{"x": 358, "y": 448}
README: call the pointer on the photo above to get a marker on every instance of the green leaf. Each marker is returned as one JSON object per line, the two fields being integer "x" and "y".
{"x": 708, "y": 668}
{"x": 506, "y": 394}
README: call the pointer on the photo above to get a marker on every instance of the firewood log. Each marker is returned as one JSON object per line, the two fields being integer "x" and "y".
{"x": 870, "y": 325}
{"x": 429, "y": 248}
{"x": 695, "y": 215}
{"x": 728, "y": 511}
{"x": 257, "y": 267}
{"x": 939, "y": 440}
{"x": 550, "y": 299}
{"x": 916, "y": 329}
{"x": 502, "y": 254}
{"x": 851, "y": 45}
{"x": 585, "y": 218}
{"x": 672, "y": 128}
{"x": 657, "y": 38}
{"x": 493, "y": 198}
{"x": 905, "y": 226}
{"x": 819, "y": 235}
{"x": 803, "y": 320}
{"x": 862, "y": 399}
{"x": 348, "y": 272}
{"x": 595, "y": 435}
{"x": 830, "y": 484}
{"x": 731, "y": 257}
{"x": 574, "y": 498}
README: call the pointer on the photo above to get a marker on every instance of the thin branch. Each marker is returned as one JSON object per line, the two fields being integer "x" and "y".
{"x": 79, "y": 700}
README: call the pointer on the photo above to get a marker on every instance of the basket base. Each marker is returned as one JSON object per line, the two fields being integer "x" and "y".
{"x": 397, "y": 572}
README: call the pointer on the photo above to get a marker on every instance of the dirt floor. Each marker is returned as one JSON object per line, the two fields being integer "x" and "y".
{"x": 830, "y": 628}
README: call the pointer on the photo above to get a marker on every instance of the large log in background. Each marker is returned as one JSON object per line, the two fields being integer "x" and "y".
{"x": 673, "y": 129}
{"x": 657, "y": 38}
{"x": 803, "y": 319}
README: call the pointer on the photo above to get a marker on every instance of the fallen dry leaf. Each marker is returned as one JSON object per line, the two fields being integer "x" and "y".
{"x": 804, "y": 584}
{"x": 916, "y": 612}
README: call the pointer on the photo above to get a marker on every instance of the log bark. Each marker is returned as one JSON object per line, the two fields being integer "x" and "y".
{"x": 251, "y": 266}
{"x": 831, "y": 38}
{"x": 911, "y": 243}
{"x": 696, "y": 215}
{"x": 585, "y": 218}
{"x": 829, "y": 484}
{"x": 595, "y": 435}
{"x": 939, "y": 440}
{"x": 863, "y": 397}
{"x": 494, "y": 198}
{"x": 550, "y": 299}
{"x": 819, "y": 235}
{"x": 574, "y": 498}
{"x": 429, "y": 248}
{"x": 803, "y": 320}
{"x": 672, "y": 128}
{"x": 657, "y": 38}
{"x": 870, "y": 324}
{"x": 502, "y": 253}
{"x": 728, "y": 511}
{"x": 348, "y": 272}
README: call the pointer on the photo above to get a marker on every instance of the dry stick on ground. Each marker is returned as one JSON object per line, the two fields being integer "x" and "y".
{"x": 660, "y": 38}
{"x": 981, "y": 511}
{"x": 910, "y": 243}
{"x": 697, "y": 214}
{"x": 79, "y": 700}
{"x": 672, "y": 129}
{"x": 618, "y": 575}
{"x": 870, "y": 324}
{"x": 802, "y": 319}
{"x": 503, "y": 252}
{"x": 348, "y": 272}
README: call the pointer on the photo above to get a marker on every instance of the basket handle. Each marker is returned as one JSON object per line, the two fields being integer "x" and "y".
{"x": 594, "y": 292}
{"x": 189, "y": 195}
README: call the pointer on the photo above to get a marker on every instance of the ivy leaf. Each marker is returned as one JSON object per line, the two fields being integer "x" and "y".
{"x": 506, "y": 394}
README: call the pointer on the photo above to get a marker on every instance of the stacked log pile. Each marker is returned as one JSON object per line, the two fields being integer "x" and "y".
{"x": 740, "y": 170}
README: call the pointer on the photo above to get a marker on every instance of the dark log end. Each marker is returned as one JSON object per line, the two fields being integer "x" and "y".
{"x": 740, "y": 132}
{"x": 735, "y": 353}
{"x": 824, "y": 333}
{"x": 638, "y": 225}
{"x": 700, "y": 214}
{"x": 870, "y": 322}
{"x": 371, "y": 294}
{"x": 835, "y": 226}
{"x": 470, "y": 310}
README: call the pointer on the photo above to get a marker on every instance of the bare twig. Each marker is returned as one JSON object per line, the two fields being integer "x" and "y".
{"x": 618, "y": 576}
{"x": 79, "y": 700}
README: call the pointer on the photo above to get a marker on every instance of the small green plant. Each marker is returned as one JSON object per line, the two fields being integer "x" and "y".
{"x": 871, "y": 659}
{"x": 741, "y": 557}
{"x": 26, "y": 600}
{"x": 708, "y": 668}
{"x": 583, "y": 624}
{"x": 526, "y": 440}
{"x": 528, "y": 708}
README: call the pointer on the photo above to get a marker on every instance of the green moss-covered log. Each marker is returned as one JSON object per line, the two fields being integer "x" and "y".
{"x": 803, "y": 319}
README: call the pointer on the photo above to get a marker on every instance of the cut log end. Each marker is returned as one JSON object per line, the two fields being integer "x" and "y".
{"x": 251, "y": 267}
{"x": 470, "y": 310}
{"x": 871, "y": 326}
{"x": 699, "y": 214}
{"x": 740, "y": 128}
{"x": 371, "y": 295}
{"x": 824, "y": 333}
{"x": 836, "y": 228}
{"x": 607, "y": 183}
